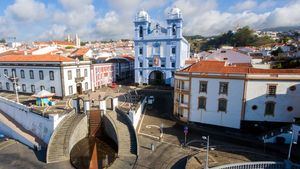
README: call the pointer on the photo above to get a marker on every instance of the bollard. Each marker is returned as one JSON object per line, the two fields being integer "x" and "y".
{"x": 152, "y": 147}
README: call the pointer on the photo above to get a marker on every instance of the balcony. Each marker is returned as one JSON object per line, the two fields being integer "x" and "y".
{"x": 79, "y": 79}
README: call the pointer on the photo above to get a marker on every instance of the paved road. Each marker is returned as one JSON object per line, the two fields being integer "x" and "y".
{"x": 173, "y": 135}
{"x": 19, "y": 156}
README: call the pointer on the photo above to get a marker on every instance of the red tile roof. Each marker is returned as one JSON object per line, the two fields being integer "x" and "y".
{"x": 221, "y": 67}
{"x": 80, "y": 52}
{"x": 34, "y": 58}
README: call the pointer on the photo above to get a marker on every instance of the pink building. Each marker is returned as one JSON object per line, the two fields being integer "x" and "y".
{"x": 102, "y": 74}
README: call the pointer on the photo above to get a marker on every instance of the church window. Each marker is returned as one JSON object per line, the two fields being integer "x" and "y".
{"x": 140, "y": 50}
{"x": 141, "y": 32}
{"x": 270, "y": 108}
{"x": 141, "y": 64}
{"x": 174, "y": 29}
{"x": 173, "y": 64}
{"x": 173, "y": 50}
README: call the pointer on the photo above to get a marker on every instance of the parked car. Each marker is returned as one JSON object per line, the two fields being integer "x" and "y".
{"x": 150, "y": 100}
{"x": 3, "y": 137}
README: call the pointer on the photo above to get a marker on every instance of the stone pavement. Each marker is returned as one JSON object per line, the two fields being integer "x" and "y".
{"x": 164, "y": 155}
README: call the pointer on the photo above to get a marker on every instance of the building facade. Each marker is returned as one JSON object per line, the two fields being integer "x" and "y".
{"x": 102, "y": 74}
{"x": 159, "y": 51}
{"x": 212, "y": 92}
{"x": 56, "y": 74}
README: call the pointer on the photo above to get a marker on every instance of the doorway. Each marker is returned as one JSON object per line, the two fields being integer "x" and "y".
{"x": 156, "y": 78}
{"x": 79, "y": 88}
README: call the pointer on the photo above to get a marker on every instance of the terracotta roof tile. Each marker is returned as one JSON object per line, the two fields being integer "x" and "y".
{"x": 34, "y": 58}
{"x": 221, "y": 67}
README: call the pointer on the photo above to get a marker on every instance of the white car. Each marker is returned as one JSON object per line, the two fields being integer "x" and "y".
{"x": 150, "y": 100}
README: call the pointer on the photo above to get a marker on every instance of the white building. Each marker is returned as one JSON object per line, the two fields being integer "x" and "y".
{"x": 159, "y": 51}
{"x": 57, "y": 74}
{"x": 212, "y": 92}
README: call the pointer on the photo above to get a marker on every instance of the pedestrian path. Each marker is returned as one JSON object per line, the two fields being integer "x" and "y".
{"x": 18, "y": 131}
{"x": 127, "y": 141}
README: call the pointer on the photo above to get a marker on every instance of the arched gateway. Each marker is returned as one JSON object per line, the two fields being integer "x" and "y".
{"x": 156, "y": 77}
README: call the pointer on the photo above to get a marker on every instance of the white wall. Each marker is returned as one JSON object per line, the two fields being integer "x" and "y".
{"x": 41, "y": 126}
{"x": 135, "y": 116}
{"x": 71, "y": 82}
{"x": 232, "y": 117}
{"x": 36, "y": 81}
{"x": 256, "y": 95}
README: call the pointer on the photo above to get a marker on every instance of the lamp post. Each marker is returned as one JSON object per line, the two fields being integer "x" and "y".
{"x": 14, "y": 81}
{"x": 291, "y": 144}
{"x": 207, "y": 149}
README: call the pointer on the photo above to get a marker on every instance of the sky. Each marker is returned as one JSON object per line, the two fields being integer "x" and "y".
{"x": 31, "y": 20}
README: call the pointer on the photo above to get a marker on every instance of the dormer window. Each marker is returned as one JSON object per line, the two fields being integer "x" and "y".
{"x": 141, "y": 33}
{"x": 174, "y": 29}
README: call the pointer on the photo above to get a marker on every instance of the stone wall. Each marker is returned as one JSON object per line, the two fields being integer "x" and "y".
{"x": 79, "y": 132}
{"x": 110, "y": 128}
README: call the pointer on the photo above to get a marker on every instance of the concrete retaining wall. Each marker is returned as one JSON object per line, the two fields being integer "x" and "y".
{"x": 41, "y": 126}
{"x": 110, "y": 128}
{"x": 79, "y": 132}
{"x": 135, "y": 115}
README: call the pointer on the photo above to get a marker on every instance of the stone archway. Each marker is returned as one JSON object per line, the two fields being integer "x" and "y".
{"x": 157, "y": 77}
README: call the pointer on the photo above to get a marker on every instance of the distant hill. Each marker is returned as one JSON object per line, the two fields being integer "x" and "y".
{"x": 282, "y": 29}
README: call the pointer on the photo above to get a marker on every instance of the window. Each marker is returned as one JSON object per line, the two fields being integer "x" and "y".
{"x": 270, "y": 108}
{"x": 141, "y": 73}
{"x": 85, "y": 73}
{"x": 42, "y": 87}
{"x": 223, "y": 89}
{"x": 201, "y": 103}
{"x": 254, "y": 107}
{"x": 181, "y": 98}
{"x": 290, "y": 108}
{"x": 292, "y": 88}
{"x": 163, "y": 65}
{"x": 41, "y": 75}
{"x": 174, "y": 29}
{"x": 0, "y": 85}
{"x": 51, "y": 75}
{"x": 173, "y": 73}
{"x": 222, "y": 106}
{"x": 31, "y": 74}
{"x": 78, "y": 73}
{"x": 22, "y": 74}
{"x": 32, "y": 88}
{"x": 203, "y": 87}
{"x": 272, "y": 90}
{"x": 70, "y": 90}
{"x": 86, "y": 86}
{"x": 173, "y": 50}
{"x": 6, "y": 72}
{"x": 140, "y": 50}
{"x": 7, "y": 86}
{"x": 23, "y": 87}
{"x": 141, "y": 32}
{"x": 173, "y": 64}
{"x": 150, "y": 65}
{"x": 141, "y": 64}
{"x": 69, "y": 75}
{"x": 13, "y": 73}
{"x": 52, "y": 89}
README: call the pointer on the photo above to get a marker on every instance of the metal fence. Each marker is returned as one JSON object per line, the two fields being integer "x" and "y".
{"x": 254, "y": 165}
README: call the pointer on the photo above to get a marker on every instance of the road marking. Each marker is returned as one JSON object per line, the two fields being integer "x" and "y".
{"x": 150, "y": 126}
{"x": 149, "y": 135}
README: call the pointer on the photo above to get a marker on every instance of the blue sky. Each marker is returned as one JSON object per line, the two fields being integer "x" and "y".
{"x": 30, "y": 20}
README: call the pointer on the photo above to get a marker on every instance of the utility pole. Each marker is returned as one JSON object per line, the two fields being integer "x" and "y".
{"x": 207, "y": 149}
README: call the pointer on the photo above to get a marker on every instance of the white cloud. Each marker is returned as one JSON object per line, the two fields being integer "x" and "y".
{"x": 245, "y": 5}
{"x": 55, "y": 32}
{"x": 26, "y": 10}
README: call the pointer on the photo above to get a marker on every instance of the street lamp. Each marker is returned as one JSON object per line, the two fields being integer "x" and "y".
{"x": 207, "y": 149}
{"x": 14, "y": 81}
{"x": 291, "y": 143}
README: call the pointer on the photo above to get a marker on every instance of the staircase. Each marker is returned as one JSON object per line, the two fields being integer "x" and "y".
{"x": 58, "y": 147}
{"x": 94, "y": 122}
{"x": 18, "y": 132}
{"x": 127, "y": 148}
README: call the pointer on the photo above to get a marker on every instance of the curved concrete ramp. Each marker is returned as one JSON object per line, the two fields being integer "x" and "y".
{"x": 127, "y": 140}
{"x": 60, "y": 142}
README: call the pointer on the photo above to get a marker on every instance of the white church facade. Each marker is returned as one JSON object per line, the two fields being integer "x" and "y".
{"x": 159, "y": 51}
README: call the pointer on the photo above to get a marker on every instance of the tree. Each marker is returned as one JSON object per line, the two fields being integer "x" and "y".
{"x": 2, "y": 40}
{"x": 277, "y": 51}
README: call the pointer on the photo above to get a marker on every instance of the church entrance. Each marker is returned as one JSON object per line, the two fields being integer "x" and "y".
{"x": 156, "y": 78}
